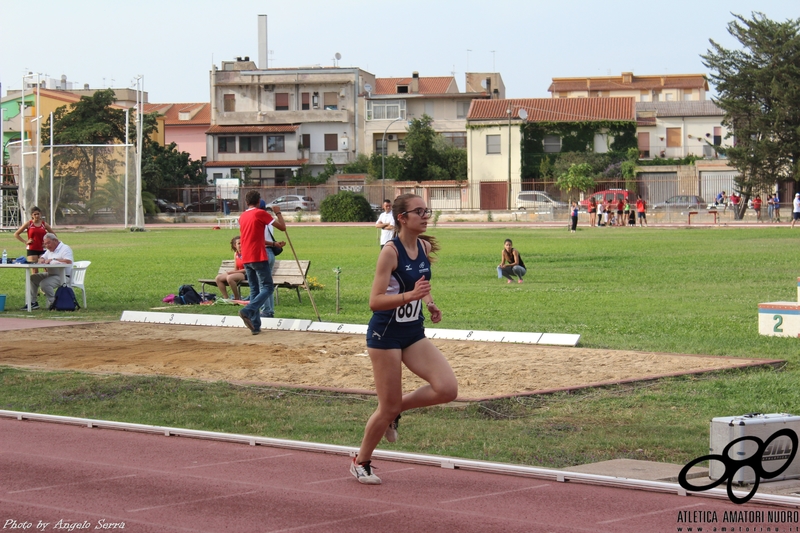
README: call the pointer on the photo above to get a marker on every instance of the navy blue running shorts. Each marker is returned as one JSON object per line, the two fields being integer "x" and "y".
{"x": 392, "y": 343}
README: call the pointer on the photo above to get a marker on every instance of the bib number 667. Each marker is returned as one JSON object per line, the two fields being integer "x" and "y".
{"x": 408, "y": 312}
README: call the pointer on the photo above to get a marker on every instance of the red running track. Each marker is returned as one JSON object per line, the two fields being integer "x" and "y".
{"x": 93, "y": 478}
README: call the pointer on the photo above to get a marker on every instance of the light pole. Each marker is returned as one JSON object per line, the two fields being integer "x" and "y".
{"x": 524, "y": 116}
{"x": 384, "y": 150}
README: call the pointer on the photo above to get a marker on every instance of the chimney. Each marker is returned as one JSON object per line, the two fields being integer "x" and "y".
{"x": 63, "y": 82}
{"x": 627, "y": 77}
{"x": 488, "y": 85}
{"x": 85, "y": 86}
{"x": 414, "y": 82}
{"x": 263, "y": 51}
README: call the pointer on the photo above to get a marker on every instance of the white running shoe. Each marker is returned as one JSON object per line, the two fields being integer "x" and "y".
{"x": 363, "y": 473}
{"x": 391, "y": 431}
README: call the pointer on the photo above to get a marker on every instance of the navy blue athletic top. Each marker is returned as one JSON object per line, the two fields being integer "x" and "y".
{"x": 409, "y": 316}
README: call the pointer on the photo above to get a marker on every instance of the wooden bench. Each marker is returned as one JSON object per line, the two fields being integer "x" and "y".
{"x": 284, "y": 274}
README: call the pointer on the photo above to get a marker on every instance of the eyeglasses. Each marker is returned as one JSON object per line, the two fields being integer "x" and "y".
{"x": 422, "y": 212}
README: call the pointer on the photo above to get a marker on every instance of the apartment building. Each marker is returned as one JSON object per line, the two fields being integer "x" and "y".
{"x": 647, "y": 88}
{"x": 270, "y": 122}
{"x": 394, "y": 102}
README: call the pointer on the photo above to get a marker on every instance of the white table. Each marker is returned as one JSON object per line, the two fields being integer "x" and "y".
{"x": 30, "y": 266}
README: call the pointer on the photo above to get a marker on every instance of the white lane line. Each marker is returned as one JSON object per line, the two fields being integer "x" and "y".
{"x": 239, "y": 461}
{"x": 351, "y": 477}
{"x": 192, "y": 501}
{"x": 71, "y": 484}
{"x": 318, "y": 524}
{"x": 495, "y": 493}
{"x": 651, "y": 513}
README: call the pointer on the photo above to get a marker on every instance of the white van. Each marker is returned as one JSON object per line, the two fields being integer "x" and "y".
{"x": 539, "y": 202}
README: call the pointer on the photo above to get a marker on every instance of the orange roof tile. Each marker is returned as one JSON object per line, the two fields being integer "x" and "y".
{"x": 428, "y": 85}
{"x": 199, "y": 114}
{"x": 615, "y": 83}
{"x": 556, "y": 109}
{"x": 277, "y": 128}
{"x": 259, "y": 164}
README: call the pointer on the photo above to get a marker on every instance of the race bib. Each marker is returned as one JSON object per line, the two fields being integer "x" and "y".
{"x": 408, "y": 312}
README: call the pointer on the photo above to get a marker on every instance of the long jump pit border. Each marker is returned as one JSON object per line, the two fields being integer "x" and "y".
{"x": 302, "y": 354}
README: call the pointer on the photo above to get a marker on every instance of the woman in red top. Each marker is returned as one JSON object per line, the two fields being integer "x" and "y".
{"x": 36, "y": 228}
{"x": 592, "y": 212}
{"x": 233, "y": 278}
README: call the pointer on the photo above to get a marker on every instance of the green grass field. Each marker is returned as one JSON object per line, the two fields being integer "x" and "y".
{"x": 665, "y": 290}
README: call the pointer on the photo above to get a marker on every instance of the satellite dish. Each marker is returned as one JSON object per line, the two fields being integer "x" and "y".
{"x": 523, "y": 114}
{"x": 338, "y": 56}
{"x": 368, "y": 87}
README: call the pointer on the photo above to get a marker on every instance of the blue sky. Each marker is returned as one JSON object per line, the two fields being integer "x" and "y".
{"x": 173, "y": 43}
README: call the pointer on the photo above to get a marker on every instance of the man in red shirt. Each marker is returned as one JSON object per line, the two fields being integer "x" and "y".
{"x": 620, "y": 210}
{"x": 254, "y": 256}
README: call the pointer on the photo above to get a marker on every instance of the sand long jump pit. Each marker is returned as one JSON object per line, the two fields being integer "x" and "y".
{"x": 334, "y": 360}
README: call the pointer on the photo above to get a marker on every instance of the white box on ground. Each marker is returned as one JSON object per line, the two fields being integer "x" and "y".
{"x": 779, "y": 319}
{"x": 729, "y": 428}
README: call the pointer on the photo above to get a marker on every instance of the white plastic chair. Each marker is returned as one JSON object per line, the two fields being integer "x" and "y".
{"x": 78, "y": 276}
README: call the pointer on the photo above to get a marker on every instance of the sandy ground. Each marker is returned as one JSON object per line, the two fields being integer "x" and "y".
{"x": 326, "y": 360}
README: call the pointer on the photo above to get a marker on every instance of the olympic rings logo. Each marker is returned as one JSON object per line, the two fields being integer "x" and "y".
{"x": 732, "y": 466}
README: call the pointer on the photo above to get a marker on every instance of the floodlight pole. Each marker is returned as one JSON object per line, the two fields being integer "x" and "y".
{"x": 523, "y": 114}
{"x": 127, "y": 142}
{"x": 384, "y": 151}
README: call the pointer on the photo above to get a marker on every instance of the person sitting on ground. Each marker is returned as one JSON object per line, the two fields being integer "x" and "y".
{"x": 511, "y": 264}
{"x": 232, "y": 278}
{"x": 36, "y": 228}
{"x": 56, "y": 252}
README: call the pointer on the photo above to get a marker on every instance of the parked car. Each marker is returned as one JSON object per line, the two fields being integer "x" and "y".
{"x": 212, "y": 204}
{"x": 682, "y": 201}
{"x": 168, "y": 207}
{"x": 612, "y": 195}
{"x": 291, "y": 202}
{"x": 538, "y": 201}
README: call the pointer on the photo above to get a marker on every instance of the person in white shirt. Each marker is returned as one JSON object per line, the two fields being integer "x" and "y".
{"x": 385, "y": 223}
{"x": 56, "y": 252}
{"x": 796, "y": 208}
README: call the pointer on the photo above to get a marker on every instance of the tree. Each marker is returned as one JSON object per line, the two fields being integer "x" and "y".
{"x": 577, "y": 178}
{"x": 90, "y": 121}
{"x": 759, "y": 90}
{"x": 429, "y": 157}
{"x": 164, "y": 167}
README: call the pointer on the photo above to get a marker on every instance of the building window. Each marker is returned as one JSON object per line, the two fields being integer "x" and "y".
{"x": 669, "y": 97}
{"x": 229, "y": 102}
{"x": 386, "y": 110}
{"x": 551, "y": 144}
{"x": 401, "y": 145}
{"x": 331, "y": 101}
{"x": 456, "y": 138}
{"x": 402, "y": 89}
{"x": 657, "y": 96}
{"x": 305, "y": 101}
{"x": 217, "y": 176}
{"x": 226, "y": 145}
{"x": 674, "y": 138}
{"x": 381, "y": 146}
{"x": 717, "y": 136}
{"x": 462, "y": 109}
{"x": 492, "y": 144}
{"x": 251, "y": 144}
{"x": 429, "y": 109}
{"x": 281, "y": 101}
{"x": 275, "y": 143}
{"x": 305, "y": 140}
{"x": 331, "y": 142}
{"x": 315, "y": 100}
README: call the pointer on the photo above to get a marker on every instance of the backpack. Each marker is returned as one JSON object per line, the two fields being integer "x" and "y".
{"x": 65, "y": 299}
{"x": 187, "y": 296}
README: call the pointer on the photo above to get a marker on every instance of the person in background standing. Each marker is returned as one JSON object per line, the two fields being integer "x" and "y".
{"x": 252, "y": 226}
{"x": 757, "y": 208}
{"x": 36, "y": 228}
{"x": 770, "y": 207}
{"x": 620, "y": 211}
{"x": 574, "y": 216}
{"x": 600, "y": 213}
{"x": 641, "y": 211}
{"x": 776, "y": 201}
{"x": 796, "y": 208}
{"x": 592, "y": 212}
{"x": 385, "y": 223}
